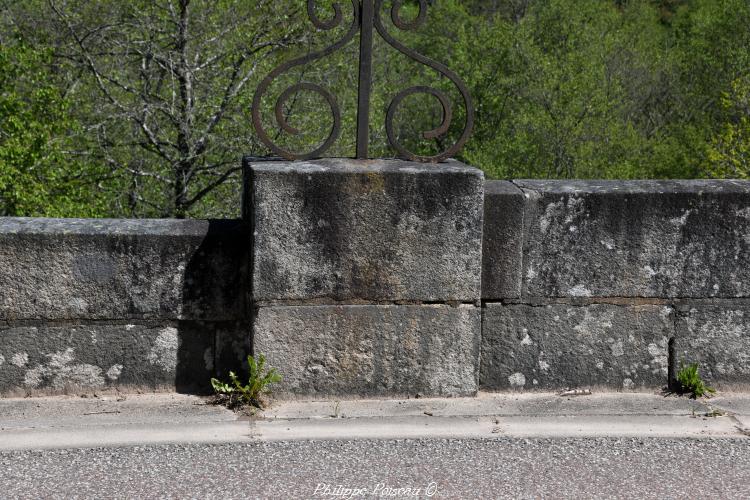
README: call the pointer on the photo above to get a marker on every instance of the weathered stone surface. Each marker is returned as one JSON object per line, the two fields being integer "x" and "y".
{"x": 717, "y": 337}
{"x": 366, "y": 230}
{"x": 502, "y": 257}
{"x": 46, "y": 359}
{"x": 371, "y": 350}
{"x": 233, "y": 344}
{"x": 116, "y": 269}
{"x": 637, "y": 239}
{"x": 559, "y": 346}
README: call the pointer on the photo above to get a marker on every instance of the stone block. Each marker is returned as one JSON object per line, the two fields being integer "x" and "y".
{"x": 322, "y": 351}
{"x": 52, "y": 359}
{"x": 717, "y": 337}
{"x": 233, "y": 343}
{"x": 67, "y": 269}
{"x": 502, "y": 252}
{"x": 559, "y": 346}
{"x": 637, "y": 239}
{"x": 376, "y": 230}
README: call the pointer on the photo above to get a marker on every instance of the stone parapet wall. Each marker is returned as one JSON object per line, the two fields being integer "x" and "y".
{"x": 367, "y": 276}
{"x": 608, "y": 274}
{"x": 111, "y": 303}
{"x": 387, "y": 278}
{"x": 65, "y": 269}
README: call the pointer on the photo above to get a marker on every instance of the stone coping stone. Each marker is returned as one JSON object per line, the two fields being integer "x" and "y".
{"x": 502, "y": 251}
{"x": 371, "y": 350}
{"x": 374, "y": 230}
{"x": 105, "y": 227}
{"x": 693, "y": 186}
{"x": 717, "y": 337}
{"x": 671, "y": 239}
{"x": 357, "y": 167}
{"x": 62, "y": 269}
{"x": 563, "y": 346}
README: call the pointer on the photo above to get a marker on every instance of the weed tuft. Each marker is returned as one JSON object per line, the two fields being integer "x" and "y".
{"x": 236, "y": 394}
{"x": 690, "y": 382}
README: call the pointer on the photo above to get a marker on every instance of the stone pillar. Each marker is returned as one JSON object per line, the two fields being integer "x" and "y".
{"x": 366, "y": 275}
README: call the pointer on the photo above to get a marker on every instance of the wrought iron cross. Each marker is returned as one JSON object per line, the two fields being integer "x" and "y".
{"x": 366, "y": 21}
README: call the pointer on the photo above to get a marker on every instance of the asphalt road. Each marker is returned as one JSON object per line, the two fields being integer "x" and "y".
{"x": 487, "y": 468}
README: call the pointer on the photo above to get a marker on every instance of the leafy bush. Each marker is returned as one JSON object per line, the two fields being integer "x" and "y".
{"x": 690, "y": 382}
{"x": 260, "y": 379}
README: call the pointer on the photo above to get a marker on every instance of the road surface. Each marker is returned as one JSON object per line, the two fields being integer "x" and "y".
{"x": 609, "y": 445}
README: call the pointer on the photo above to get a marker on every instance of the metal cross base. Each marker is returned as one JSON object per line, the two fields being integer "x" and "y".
{"x": 366, "y": 20}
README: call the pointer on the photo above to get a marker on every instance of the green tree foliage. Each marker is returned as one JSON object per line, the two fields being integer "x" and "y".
{"x": 147, "y": 103}
{"x": 714, "y": 42}
{"x": 729, "y": 152}
{"x": 598, "y": 89}
{"x": 162, "y": 90}
{"x": 37, "y": 176}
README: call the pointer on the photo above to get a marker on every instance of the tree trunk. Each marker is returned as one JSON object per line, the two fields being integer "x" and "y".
{"x": 184, "y": 76}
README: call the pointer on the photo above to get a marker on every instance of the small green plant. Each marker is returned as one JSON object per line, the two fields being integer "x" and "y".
{"x": 260, "y": 379}
{"x": 690, "y": 381}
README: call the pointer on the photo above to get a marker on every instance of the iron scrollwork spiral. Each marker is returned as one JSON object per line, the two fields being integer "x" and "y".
{"x": 366, "y": 15}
